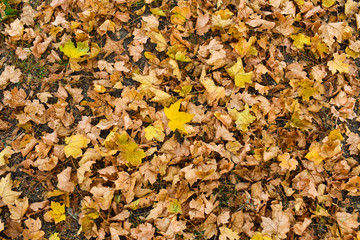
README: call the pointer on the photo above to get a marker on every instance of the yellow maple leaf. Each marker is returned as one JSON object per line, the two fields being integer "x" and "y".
{"x": 259, "y": 236}
{"x": 177, "y": 119}
{"x": 245, "y": 48}
{"x": 129, "y": 151}
{"x": 238, "y": 73}
{"x": 242, "y": 119}
{"x": 335, "y": 135}
{"x": 71, "y": 51}
{"x": 299, "y": 40}
{"x": 54, "y": 236}
{"x": 7, "y": 195}
{"x": 74, "y": 145}
{"x": 155, "y": 131}
{"x": 57, "y": 212}
{"x": 132, "y": 154}
{"x": 306, "y": 89}
{"x": 338, "y": 64}
{"x": 314, "y": 153}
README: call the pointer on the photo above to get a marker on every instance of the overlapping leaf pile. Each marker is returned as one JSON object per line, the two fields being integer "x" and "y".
{"x": 207, "y": 119}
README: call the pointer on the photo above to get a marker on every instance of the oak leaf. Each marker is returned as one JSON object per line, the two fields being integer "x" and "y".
{"x": 177, "y": 119}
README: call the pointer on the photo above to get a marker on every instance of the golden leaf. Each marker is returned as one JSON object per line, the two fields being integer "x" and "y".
{"x": 338, "y": 64}
{"x": 74, "y": 145}
{"x": 57, "y": 212}
{"x": 242, "y": 119}
{"x": 177, "y": 119}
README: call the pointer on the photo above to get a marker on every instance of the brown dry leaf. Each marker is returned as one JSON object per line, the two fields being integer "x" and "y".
{"x": 28, "y": 14}
{"x": 40, "y": 45}
{"x": 107, "y": 25}
{"x": 143, "y": 232}
{"x": 10, "y": 74}
{"x": 336, "y": 30}
{"x": 5, "y": 154}
{"x": 278, "y": 225}
{"x": 347, "y": 222}
{"x": 354, "y": 143}
{"x": 34, "y": 229}
{"x": 338, "y": 64}
{"x": 7, "y": 195}
{"x": 227, "y": 233}
{"x": 64, "y": 182}
{"x": 202, "y": 25}
{"x": 170, "y": 226}
{"x": 19, "y": 208}
{"x": 299, "y": 228}
{"x": 135, "y": 50}
{"x": 15, "y": 30}
{"x": 22, "y": 53}
{"x": 103, "y": 196}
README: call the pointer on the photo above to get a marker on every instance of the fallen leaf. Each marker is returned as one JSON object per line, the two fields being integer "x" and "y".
{"x": 227, "y": 233}
{"x": 177, "y": 119}
{"x": 57, "y": 212}
{"x": 242, "y": 119}
{"x": 74, "y": 145}
{"x": 338, "y": 64}
{"x": 71, "y": 51}
{"x": 7, "y": 195}
{"x": 64, "y": 182}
